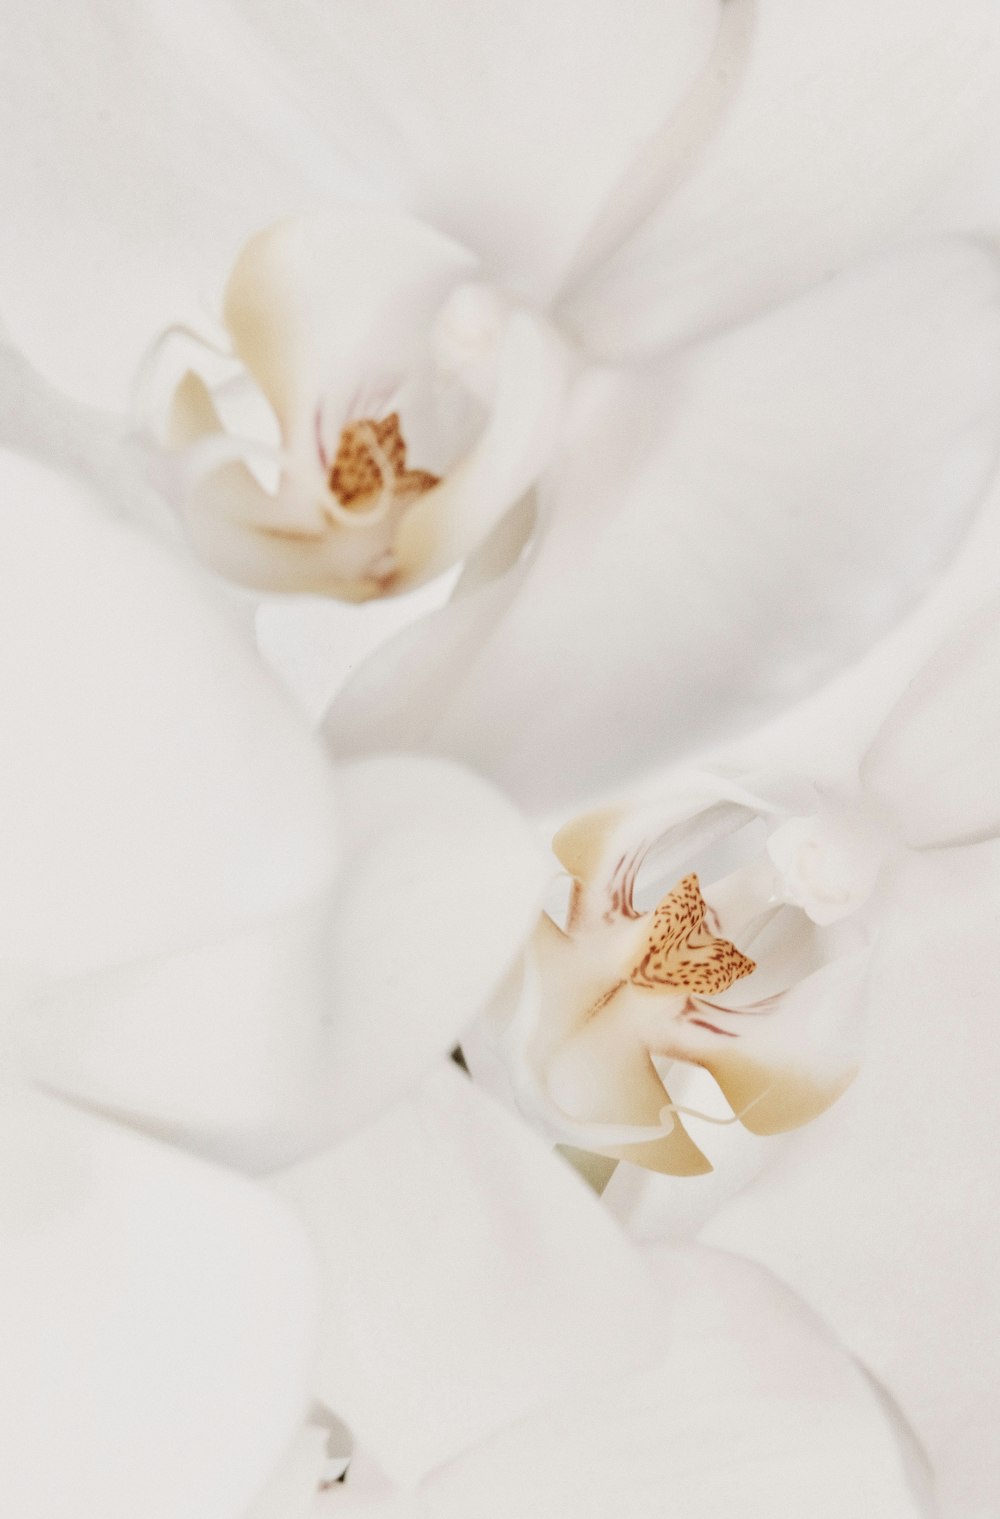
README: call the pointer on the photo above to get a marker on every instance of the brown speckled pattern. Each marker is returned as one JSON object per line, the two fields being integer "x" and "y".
{"x": 682, "y": 954}
{"x": 371, "y": 457}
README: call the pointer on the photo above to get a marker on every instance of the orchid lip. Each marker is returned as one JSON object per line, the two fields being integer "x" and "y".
{"x": 623, "y": 997}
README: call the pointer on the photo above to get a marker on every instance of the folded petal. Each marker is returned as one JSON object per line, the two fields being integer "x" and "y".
{"x": 313, "y": 301}
{"x": 720, "y": 540}
{"x": 932, "y": 765}
{"x": 468, "y": 1277}
{"x": 158, "y": 1318}
{"x": 355, "y": 327}
{"x": 843, "y": 129}
{"x": 880, "y": 1214}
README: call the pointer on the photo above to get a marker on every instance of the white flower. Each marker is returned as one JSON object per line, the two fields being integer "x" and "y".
{"x": 728, "y": 923}
{"x": 210, "y": 935}
{"x": 776, "y": 465}
{"x": 879, "y": 1212}
{"x": 406, "y": 409}
{"x": 495, "y": 1346}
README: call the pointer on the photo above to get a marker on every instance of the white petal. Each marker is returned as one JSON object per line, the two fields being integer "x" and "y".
{"x": 440, "y": 887}
{"x": 447, "y": 524}
{"x": 261, "y": 1045}
{"x": 505, "y": 127}
{"x": 143, "y": 144}
{"x": 719, "y": 541}
{"x": 158, "y": 1320}
{"x": 755, "y": 1411}
{"x": 932, "y": 766}
{"x": 468, "y": 1277}
{"x": 839, "y": 135}
{"x": 338, "y": 317}
{"x": 318, "y": 305}
{"x": 157, "y": 788}
{"x": 220, "y": 1046}
{"x": 881, "y": 1213}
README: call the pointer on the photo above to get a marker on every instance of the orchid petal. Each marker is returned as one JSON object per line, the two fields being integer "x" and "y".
{"x": 900, "y": 1175}
{"x": 719, "y": 542}
{"x": 932, "y": 765}
{"x": 441, "y": 884}
{"x": 829, "y": 146}
{"x": 468, "y": 1277}
{"x": 595, "y": 1083}
{"x": 796, "y": 1060}
{"x": 158, "y": 788}
{"x": 559, "y": 110}
{"x": 158, "y": 1319}
{"x": 343, "y": 320}
{"x": 143, "y": 144}
{"x": 313, "y": 300}
{"x": 261, "y": 1046}
{"x": 754, "y": 1411}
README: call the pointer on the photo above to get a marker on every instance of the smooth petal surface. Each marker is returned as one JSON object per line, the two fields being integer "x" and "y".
{"x": 755, "y": 1411}
{"x": 718, "y": 541}
{"x": 506, "y": 128}
{"x": 441, "y": 883}
{"x": 263, "y": 1044}
{"x": 881, "y": 1214}
{"x": 932, "y": 767}
{"x": 844, "y": 128}
{"x": 144, "y": 143}
{"x": 158, "y": 1318}
{"x": 157, "y": 787}
{"x": 468, "y": 1277}
{"x": 317, "y": 305}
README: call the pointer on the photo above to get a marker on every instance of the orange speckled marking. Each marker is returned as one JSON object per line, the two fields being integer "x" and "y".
{"x": 682, "y": 954}
{"x": 371, "y": 457}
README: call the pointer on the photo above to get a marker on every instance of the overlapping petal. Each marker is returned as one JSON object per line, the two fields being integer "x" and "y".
{"x": 514, "y": 1353}
{"x": 141, "y": 728}
{"x": 753, "y": 1411}
{"x": 932, "y": 766}
{"x": 186, "y": 941}
{"x": 158, "y": 1324}
{"x": 468, "y": 1277}
{"x": 560, "y": 107}
{"x": 708, "y": 528}
{"x": 143, "y": 144}
{"x": 845, "y": 127}
{"x": 353, "y": 327}
{"x": 127, "y": 127}
{"x": 881, "y": 1213}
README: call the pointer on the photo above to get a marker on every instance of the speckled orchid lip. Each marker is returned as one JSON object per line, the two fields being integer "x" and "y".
{"x": 733, "y": 977}
{"x": 407, "y": 407}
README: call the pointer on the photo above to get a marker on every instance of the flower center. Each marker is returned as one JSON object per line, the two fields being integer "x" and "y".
{"x": 682, "y": 954}
{"x": 371, "y": 462}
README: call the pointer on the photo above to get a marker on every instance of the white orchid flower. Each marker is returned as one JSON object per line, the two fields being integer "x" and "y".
{"x": 883, "y": 1213}
{"x": 414, "y": 407}
{"x": 212, "y": 936}
{"x": 730, "y": 924}
{"x": 182, "y": 869}
{"x": 411, "y": 381}
{"x": 204, "y": 923}
{"x": 495, "y": 1345}
{"x": 878, "y": 1212}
